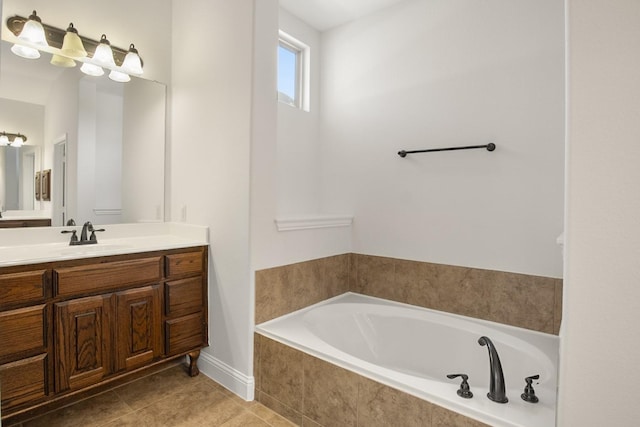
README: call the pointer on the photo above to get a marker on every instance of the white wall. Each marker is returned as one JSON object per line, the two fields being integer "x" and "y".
{"x": 211, "y": 132}
{"x": 438, "y": 73}
{"x": 600, "y": 337}
{"x": 299, "y": 166}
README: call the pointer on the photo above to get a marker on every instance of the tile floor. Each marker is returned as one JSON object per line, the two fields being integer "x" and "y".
{"x": 169, "y": 398}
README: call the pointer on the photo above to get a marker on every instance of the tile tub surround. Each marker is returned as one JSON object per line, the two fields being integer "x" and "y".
{"x": 526, "y": 301}
{"x": 311, "y": 392}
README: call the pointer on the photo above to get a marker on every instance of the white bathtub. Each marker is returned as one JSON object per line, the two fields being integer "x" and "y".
{"x": 413, "y": 349}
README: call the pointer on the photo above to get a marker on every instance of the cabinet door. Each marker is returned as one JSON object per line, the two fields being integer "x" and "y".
{"x": 138, "y": 326}
{"x": 83, "y": 341}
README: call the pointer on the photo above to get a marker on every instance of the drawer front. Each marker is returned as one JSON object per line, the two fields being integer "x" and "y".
{"x": 18, "y": 288}
{"x": 22, "y": 331}
{"x": 23, "y": 380}
{"x": 183, "y": 297}
{"x": 183, "y": 264}
{"x": 94, "y": 278}
{"x": 184, "y": 334}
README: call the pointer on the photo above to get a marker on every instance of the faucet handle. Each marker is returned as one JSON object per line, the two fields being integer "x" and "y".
{"x": 464, "y": 391}
{"x": 529, "y": 394}
{"x": 74, "y": 236}
{"x": 93, "y": 237}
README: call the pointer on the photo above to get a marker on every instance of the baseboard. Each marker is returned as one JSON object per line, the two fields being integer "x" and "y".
{"x": 230, "y": 378}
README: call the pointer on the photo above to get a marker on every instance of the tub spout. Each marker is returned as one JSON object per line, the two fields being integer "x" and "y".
{"x": 496, "y": 386}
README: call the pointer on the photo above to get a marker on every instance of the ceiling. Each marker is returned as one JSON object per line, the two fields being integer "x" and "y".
{"x": 326, "y": 14}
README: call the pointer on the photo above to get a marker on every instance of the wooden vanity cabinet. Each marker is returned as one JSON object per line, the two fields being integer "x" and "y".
{"x": 68, "y": 328}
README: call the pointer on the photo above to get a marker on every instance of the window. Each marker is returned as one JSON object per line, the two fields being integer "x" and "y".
{"x": 293, "y": 57}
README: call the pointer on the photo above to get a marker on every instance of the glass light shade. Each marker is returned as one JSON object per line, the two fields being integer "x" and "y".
{"x": 25, "y": 51}
{"x": 4, "y": 140}
{"x": 132, "y": 63}
{"x": 62, "y": 61}
{"x": 104, "y": 55}
{"x": 118, "y": 76}
{"x": 92, "y": 70}
{"x": 72, "y": 44}
{"x": 33, "y": 32}
{"x": 18, "y": 141}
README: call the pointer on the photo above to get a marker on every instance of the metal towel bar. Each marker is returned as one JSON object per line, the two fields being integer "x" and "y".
{"x": 490, "y": 147}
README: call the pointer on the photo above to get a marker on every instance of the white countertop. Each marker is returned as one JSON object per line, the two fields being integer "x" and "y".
{"x": 31, "y": 245}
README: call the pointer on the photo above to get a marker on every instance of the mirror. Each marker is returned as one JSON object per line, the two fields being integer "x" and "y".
{"x": 93, "y": 134}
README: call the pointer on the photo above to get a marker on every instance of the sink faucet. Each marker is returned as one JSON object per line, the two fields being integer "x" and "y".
{"x": 496, "y": 386}
{"x": 84, "y": 240}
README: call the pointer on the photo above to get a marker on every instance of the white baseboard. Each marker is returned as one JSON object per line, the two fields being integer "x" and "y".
{"x": 230, "y": 378}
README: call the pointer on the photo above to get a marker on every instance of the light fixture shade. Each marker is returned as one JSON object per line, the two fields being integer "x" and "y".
{"x": 72, "y": 44}
{"x": 104, "y": 55}
{"x": 4, "y": 140}
{"x": 17, "y": 141}
{"x": 62, "y": 61}
{"x": 33, "y": 32}
{"x": 119, "y": 76}
{"x": 25, "y": 51}
{"x": 92, "y": 70}
{"x": 132, "y": 63}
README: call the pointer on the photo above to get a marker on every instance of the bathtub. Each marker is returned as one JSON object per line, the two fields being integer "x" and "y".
{"x": 412, "y": 349}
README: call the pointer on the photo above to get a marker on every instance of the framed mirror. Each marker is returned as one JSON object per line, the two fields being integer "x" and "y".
{"x": 102, "y": 143}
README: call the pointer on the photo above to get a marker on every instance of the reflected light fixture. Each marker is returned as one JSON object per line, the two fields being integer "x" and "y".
{"x": 12, "y": 139}
{"x": 32, "y": 33}
{"x": 119, "y": 76}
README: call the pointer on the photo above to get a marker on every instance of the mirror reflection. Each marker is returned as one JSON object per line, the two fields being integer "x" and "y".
{"x": 92, "y": 134}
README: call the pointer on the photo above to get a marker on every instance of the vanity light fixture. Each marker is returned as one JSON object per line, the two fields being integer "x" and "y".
{"x": 32, "y": 33}
{"x": 12, "y": 139}
{"x": 68, "y": 46}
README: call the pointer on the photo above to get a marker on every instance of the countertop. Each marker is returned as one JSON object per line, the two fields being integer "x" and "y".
{"x": 20, "y": 246}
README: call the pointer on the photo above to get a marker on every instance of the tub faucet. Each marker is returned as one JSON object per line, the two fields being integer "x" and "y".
{"x": 496, "y": 385}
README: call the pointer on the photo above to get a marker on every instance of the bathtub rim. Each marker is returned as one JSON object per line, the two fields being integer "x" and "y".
{"x": 349, "y": 364}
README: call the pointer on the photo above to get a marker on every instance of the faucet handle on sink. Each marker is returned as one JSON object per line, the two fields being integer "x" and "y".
{"x": 93, "y": 237}
{"x": 464, "y": 391}
{"x": 74, "y": 236}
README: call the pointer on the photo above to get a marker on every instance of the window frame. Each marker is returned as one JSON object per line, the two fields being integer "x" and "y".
{"x": 302, "y": 56}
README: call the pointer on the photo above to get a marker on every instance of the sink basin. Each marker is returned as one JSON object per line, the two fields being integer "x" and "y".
{"x": 93, "y": 249}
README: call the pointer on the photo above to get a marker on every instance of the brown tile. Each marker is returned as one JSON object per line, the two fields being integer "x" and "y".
{"x": 330, "y": 393}
{"x": 379, "y": 405}
{"x": 444, "y": 418}
{"x": 199, "y": 404}
{"x": 336, "y": 275}
{"x": 281, "y": 373}
{"x": 281, "y": 290}
{"x": 95, "y": 411}
{"x": 278, "y": 407}
{"x": 414, "y": 283}
{"x": 522, "y": 300}
{"x": 256, "y": 361}
{"x": 246, "y": 419}
{"x": 557, "y": 312}
{"x": 306, "y": 422}
{"x": 460, "y": 290}
{"x": 148, "y": 390}
{"x": 353, "y": 268}
{"x": 375, "y": 275}
{"x": 272, "y": 418}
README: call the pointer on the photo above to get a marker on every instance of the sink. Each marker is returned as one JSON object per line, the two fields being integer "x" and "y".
{"x": 93, "y": 249}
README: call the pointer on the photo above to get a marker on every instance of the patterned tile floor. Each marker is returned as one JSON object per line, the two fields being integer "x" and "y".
{"x": 169, "y": 398}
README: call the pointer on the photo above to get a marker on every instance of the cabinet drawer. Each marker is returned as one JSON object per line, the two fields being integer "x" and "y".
{"x": 22, "y": 331}
{"x": 107, "y": 276}
{"x": 183, "y": 297}
{"x": 23, "y": 380}
{"x": 26, "y": 287}
{"x": 181, "y": 264}
{"x": 184, "y": 334}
